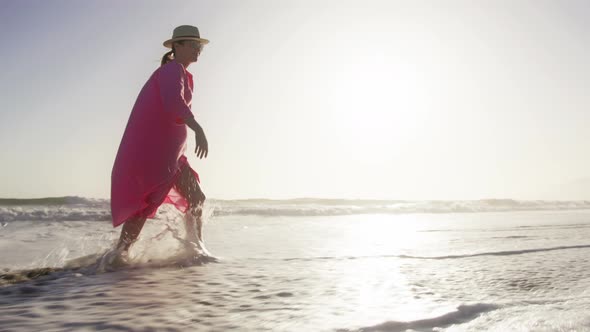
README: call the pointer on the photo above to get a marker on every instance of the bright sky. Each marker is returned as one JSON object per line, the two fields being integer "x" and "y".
{"x": 344, "y": 99}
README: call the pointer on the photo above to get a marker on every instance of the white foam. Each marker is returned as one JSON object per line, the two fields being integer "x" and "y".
{"x": 463, "y": 314}
{"x": 79, "y": 209}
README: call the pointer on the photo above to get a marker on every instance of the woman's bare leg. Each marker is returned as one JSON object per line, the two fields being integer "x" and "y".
{"x": 191, "y": 229}
{"x": 130, "y": 232}
{"x": 194, "y": 223}
{"x": 189, "y": 188}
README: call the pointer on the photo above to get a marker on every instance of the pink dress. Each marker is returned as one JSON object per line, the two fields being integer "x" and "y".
{"x": 151, "y": 153}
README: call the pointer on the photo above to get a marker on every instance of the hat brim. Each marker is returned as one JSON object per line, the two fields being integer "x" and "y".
{"x": 169, "y": 42}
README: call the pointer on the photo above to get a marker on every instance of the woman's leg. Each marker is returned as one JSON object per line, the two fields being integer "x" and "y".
{"x": 130, "y": 232}
{"x": 189, "y": 188}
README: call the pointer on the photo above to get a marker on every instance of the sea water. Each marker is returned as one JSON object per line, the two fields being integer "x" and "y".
{"x": 306, "y": 265}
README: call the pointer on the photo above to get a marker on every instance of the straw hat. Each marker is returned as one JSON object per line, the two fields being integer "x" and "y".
{"x": 184, "y": 32}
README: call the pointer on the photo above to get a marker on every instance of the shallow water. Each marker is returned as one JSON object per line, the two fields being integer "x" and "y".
{"x": 508, "y": 271}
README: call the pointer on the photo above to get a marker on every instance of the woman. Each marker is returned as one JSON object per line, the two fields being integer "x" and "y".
{"x": 150, "y": 167}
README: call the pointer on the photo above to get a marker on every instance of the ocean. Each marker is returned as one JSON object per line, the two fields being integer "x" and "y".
{"x": 301, "y": 265}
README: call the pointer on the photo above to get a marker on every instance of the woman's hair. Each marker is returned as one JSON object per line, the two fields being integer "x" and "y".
{"x": 166, "y": 58}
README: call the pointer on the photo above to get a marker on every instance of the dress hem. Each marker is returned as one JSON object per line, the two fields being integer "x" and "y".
{"x": 148, "y": 209}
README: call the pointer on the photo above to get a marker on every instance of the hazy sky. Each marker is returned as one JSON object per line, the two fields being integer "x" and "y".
{"x": 351, "y": 99}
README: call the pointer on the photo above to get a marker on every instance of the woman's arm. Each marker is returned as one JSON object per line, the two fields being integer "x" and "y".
{"x": 202, "y": 146}
{"x": 172, "y": 92}
{"x": 171, "y": 83}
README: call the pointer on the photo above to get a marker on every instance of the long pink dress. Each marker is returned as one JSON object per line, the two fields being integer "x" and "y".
{"x": 151, "y": 153}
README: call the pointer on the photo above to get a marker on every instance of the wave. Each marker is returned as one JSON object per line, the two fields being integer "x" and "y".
{"x": 500, "y": 253}
{"x": 65, "y": 200}
{"x": 54, "y": 213}
{"x": 333, "y": 207}
{"x": 70, "y": 208}
{"x": 462, "y": 314}
{"x": 489, "y": 253}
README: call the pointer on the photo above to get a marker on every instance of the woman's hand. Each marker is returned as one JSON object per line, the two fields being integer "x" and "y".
{"x": 202, "y": 146}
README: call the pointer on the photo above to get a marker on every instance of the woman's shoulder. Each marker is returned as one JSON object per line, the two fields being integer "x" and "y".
{"x": 173, "y": 67}
{"x": 167, "y": 67}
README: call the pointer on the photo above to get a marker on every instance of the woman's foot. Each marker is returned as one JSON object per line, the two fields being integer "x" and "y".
{"x": 113, "y": 260}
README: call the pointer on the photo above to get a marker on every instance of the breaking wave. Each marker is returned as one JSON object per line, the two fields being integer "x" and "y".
{"x": 469, "y": 255}
{"x": 73, "y": 208}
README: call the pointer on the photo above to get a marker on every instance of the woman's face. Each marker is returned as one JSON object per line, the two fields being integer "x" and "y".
{"x": 188, "y": 51}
